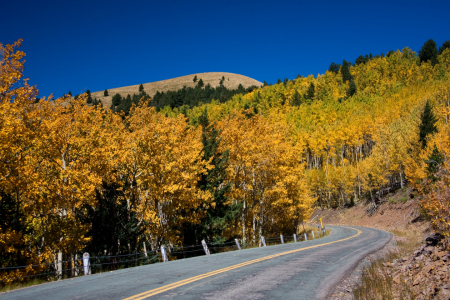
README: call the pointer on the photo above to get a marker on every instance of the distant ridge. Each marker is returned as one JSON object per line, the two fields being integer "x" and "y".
{"x": 232, "y": 81}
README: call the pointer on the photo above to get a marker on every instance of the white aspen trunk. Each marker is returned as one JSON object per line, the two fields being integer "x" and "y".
{"x": 244, "y": 207}
{"x": 401, "y": 178}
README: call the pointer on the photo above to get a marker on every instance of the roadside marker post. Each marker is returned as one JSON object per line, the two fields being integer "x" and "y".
{"x": 237, "y": 244}
{"x": 281, "y": 238}
{"x": 321, "y": 225}
{"x": 164, "y": 254}
{"x": 313, "y": 235}
{"x": 295, "y": 238}
{"x": 86, "y": 264}
{"x": 306, "y": 238}
{"x": 59, "y": 265}
{"x": 205, "y": 247}
{"x": 145, "y": 249}
{"x": 263, "y": 240}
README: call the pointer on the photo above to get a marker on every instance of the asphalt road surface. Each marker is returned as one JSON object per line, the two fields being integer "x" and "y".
{"x": 303, "y": 270}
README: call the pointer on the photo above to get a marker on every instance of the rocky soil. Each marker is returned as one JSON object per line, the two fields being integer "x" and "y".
{"x": 426, "y": 272}
{"x": 420, "y": 270}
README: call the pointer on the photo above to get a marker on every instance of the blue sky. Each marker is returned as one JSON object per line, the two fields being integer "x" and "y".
{"x": 96, "y": 45}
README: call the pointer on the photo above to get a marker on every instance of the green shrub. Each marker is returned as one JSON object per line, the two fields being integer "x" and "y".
{"x": 392, "y": 201}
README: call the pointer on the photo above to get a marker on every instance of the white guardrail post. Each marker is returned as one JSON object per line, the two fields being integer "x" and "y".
{"x": 306, "y": 238}
{"x": 313, "y": 235}
{"x": 263, "y": 240}
{"x": 86, "y": 264}
{"x": 205, "y": 247}
{"x": 145, "y": 249}
{"x": 237, "y": 244}
{"x": 281, "y": 238}
{"x": 164, "y": 254}
{"x": 295, "y": 238}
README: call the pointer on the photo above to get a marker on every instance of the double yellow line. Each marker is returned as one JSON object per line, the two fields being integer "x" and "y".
{"x": 209, "y": 274}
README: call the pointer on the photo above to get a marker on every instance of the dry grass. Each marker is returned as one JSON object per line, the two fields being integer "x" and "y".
{"x": 232, "y": 81}
{"x": 376, "y": 279}
{"x": 18, "y": 285}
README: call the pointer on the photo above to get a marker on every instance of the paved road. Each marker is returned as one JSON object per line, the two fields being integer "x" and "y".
{"x": 305, "y": 270}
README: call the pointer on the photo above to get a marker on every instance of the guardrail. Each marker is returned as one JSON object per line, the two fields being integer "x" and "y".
{"x": 85, "y": 264}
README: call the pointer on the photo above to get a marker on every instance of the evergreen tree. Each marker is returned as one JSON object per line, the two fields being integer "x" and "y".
{"x": 70, "y": 94}
{"x": 112, "y": 221}
{"x": 351, "y": 89}
{"x": 195, "y": 78}
{"x": 105, "y": 93}
{"x": 334, "y": 67}
{"x": 141, "y": 88}
{"x": 445, "y": 45}
{"x": 13, "y": 218}
{"x": 116, "y": 99}
{"x": 89, "y": 99}
{"x": 265, "y": 83}
{"x": 296, "y": 99}
{"x": 427, "y": 125}
{"x": 429, "y": 52}
{"x": 279, "y": 81}
{"x": 434, "y": 161}
{"x": 219, "y": 215}
{"x": 345, "y": 71}
{"x": 310, "y": 92}
{"x": 360, "y": 60}
{"x": 200, "y": 83}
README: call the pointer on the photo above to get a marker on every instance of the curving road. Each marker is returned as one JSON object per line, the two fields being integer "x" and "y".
{"x": 304, "y": 270}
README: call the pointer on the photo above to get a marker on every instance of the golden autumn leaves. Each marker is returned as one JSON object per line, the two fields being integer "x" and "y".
{"x": 55, "y": 156}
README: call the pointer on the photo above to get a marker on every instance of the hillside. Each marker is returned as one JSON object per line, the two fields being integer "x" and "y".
{"x": 232, "y": 81}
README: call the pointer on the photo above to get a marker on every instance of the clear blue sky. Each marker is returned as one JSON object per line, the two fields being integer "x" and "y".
{"x": 96, "y": 45}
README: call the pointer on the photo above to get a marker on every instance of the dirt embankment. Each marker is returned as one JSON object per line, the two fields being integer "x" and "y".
{"x": 408, "y": 267}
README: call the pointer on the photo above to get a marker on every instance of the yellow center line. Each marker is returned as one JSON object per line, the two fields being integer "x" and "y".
{"x": 209, "y": 274}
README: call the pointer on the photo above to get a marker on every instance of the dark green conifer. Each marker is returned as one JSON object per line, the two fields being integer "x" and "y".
{"x": 444, "y": 46}
{"x": 141, "y": 88}
{"x": 435, "y": 159}
{"x": 310, "y": 92}
{"x": 345, "y": 71}
{"x": 116, "y": 99}
{"x": 429, "y": 52}
{"x": 296, "y": 99}
{"x": 334, "y": 67}
{"x": 89, "y": 99}
{"x": 427, "y": 124}
{"x": 200, "y": 83}
{"x": 195, "y": 78}
{"x": 351, "y": 89}
{"x": 105, "y": 93}
{"x": 218, "y": 216}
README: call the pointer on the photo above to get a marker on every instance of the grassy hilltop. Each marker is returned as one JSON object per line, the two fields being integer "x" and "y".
{"x": 231, "y": 81}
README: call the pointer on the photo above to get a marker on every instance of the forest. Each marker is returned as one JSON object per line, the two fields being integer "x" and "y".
{"x": 77, "y": 177}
